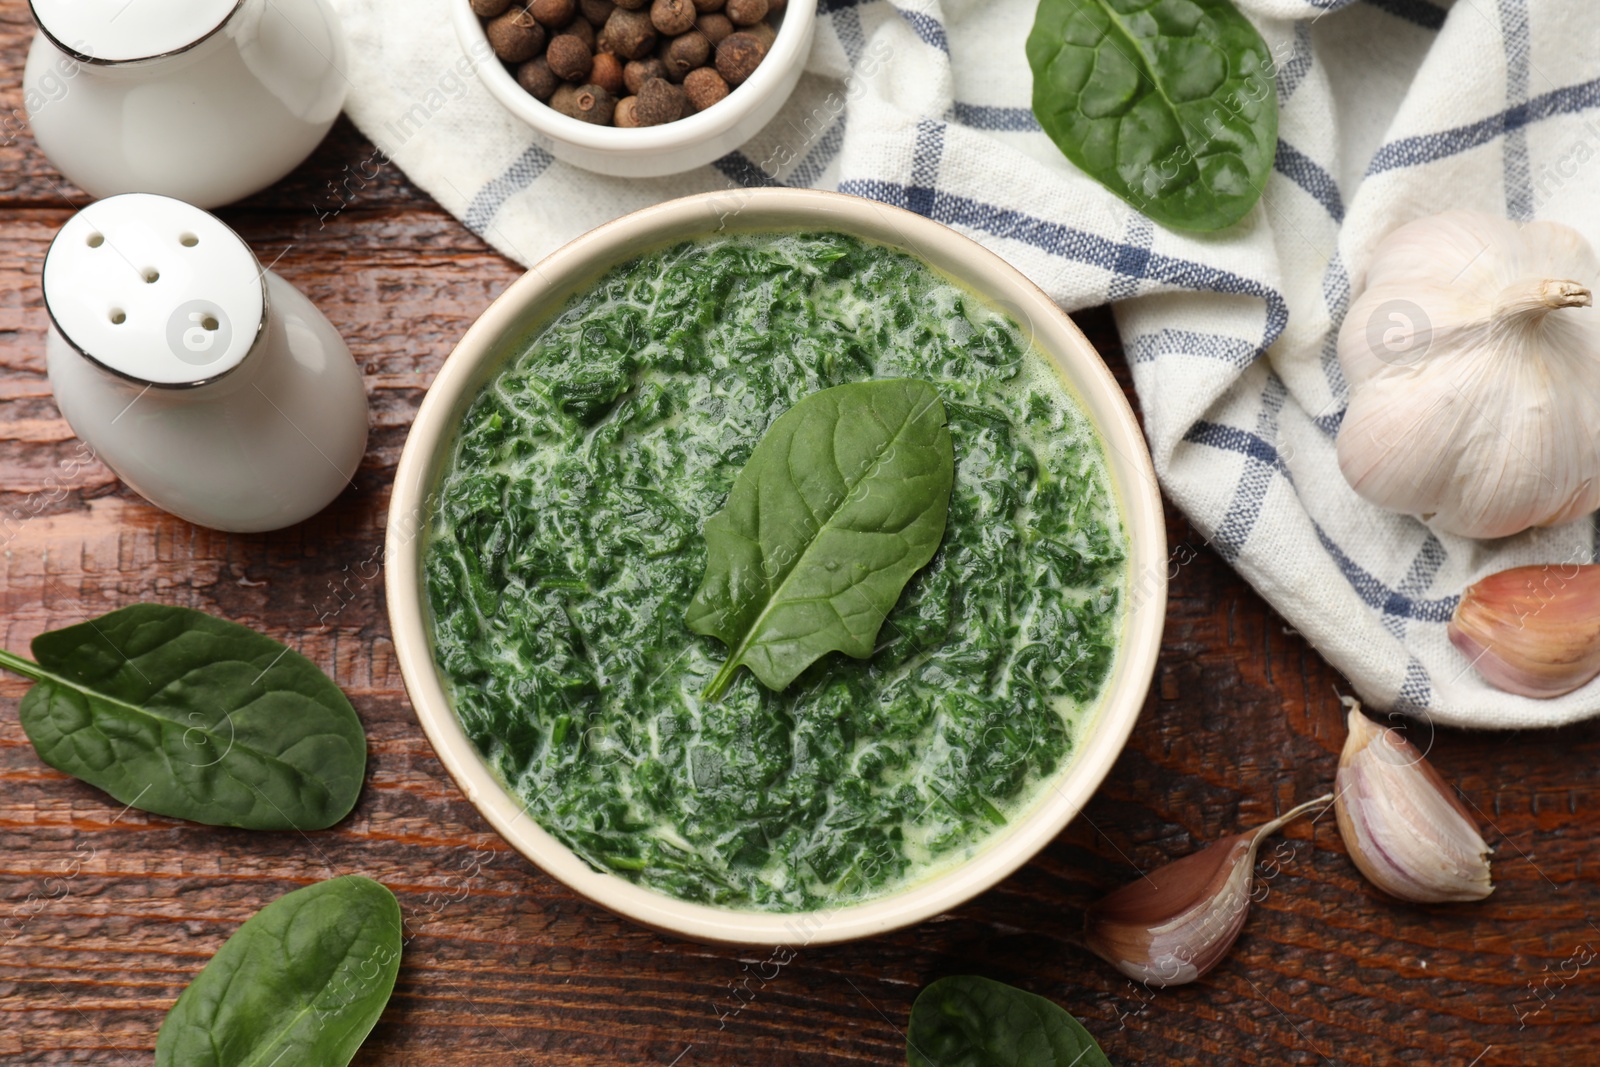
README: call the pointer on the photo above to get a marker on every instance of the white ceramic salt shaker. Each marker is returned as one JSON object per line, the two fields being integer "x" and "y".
{"x": 205, "y": 100}
{"x": 209, "y": 384}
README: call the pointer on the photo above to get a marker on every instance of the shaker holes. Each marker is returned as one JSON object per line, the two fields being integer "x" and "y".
{"x": 151, "y": 275}
{"x": 188, "y": 240}
{"x": 118, "y": 316}
{"x": 96, "y": 240}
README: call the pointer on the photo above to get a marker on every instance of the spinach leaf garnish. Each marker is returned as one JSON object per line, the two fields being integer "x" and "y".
{"x": 966, "y": 1021}
{"x": 842, "y": 501}
{"x": 1173, "y": 107}
{"x": 302, "y": 982}
{"x": 179, "y": 713}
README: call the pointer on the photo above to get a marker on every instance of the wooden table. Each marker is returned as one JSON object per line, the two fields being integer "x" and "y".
{"x": 106, "y": 913}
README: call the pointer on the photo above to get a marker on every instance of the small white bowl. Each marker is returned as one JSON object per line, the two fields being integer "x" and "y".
{"x": 652, "y": 151}
{"x": 543, "y": 292}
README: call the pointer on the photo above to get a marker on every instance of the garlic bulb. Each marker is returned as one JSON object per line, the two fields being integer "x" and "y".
{"x": 1401, "y": 822}
{"x": 1178, "y": 922}
{"x": 1473, "y": 360}
{"x": 1532, "y": 630}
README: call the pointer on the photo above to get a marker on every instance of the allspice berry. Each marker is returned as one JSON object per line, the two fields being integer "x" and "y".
{"x": 672, "y": 17}
{"x": 631, "y": 34}
{"x": 554, "y": 14}
{"x": 538, "y": 79}
{"x": 659, "y": 102}
{"x": 488, "y": 9}
{"x": 684, "y": 53}
{"x": 745, "y": 12}
{"x": 569, "y": 57}
{"x": 763, "y": 32}
{"x": 515, "y": 36}
{"x": 580, "y": 28}
{"x": 587, "y": 103}
{"x": 606, "y": 72}
{"x": 596, "y": 11}
{"x": 632, "y": 5}
{"x": 738, "y": 56}
{"x": 714, "y": 28}
{"x": 704, "y": 6}
{"x": 635, "y": 74}
{"x": 623, "y": 117}
{"x": 704, "y": 87}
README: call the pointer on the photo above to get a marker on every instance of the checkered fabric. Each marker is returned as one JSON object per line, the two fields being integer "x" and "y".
{"x": 1391, "y": 109}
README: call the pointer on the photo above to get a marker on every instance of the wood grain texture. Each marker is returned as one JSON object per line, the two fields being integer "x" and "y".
{"x": 105, "y": 914}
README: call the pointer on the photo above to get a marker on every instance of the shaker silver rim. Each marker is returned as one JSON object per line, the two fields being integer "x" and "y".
{"x": 94, "y": 61}
{"x": 255, "y": 343}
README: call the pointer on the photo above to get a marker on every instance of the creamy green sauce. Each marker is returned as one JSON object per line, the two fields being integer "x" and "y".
{"x": 565, "y": 549}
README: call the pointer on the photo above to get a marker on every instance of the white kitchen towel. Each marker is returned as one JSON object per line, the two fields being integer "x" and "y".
{"x": 1390, "y": 109}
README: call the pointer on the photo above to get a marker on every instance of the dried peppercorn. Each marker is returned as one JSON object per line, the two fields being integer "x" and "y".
{"x": 672, "y": 17}
{"x": 587, "y": 103}
{"x": 554, "y": 14}
{"x": 580, "y": 28}
{"x": 738, "y": 56}
{"x": 538, "y": 79}
{"x": 569, "y": 57}
{"x": 635, "y": 74}
{"x": 600, "y": 63}
{"x": 631, "y": 34}
{"x": 515, "y": 36}
{"x": 745, "y": 12}
{"x": 763, "y": 32}
{"x": 684, "y": 53}
{"x": 488, "y": 9}
{"x": 606, "y": 72}
{"x": 704, "y": 87}
{"x": 659, "y": 102}
{"x": 713, "y": 27}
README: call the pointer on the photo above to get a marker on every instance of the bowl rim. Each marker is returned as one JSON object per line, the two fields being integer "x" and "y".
{"x": 541, "y": 292}
{"x": 790, "y": 47}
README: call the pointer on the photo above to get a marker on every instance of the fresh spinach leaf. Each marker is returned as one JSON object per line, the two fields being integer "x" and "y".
{"x": 177, "y": 712}
{"x": 302, "y": 982}
{"x": 842, "y": 501}
{"x": 1171, "y": 104}
{"x": 966, "y": 1021}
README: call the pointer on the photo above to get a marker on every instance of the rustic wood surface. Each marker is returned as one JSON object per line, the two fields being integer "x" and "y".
{"x": 106, "y": 913}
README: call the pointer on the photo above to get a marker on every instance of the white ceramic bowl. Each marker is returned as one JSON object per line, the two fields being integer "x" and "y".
{"x": 540, "y": 294}
{"x": 653, "y": 151}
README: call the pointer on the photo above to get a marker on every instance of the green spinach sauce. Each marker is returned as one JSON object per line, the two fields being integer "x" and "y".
{"x": 566, "y": 546}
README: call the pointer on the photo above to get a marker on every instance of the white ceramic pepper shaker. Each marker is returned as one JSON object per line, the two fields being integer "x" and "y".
{"x": 205, "y": 100}
{"x": 209, "y": 384}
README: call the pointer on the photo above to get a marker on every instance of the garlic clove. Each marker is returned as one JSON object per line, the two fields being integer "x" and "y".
{"x": 1177, "y": 922}
{"x": 1534, "y": 631}
{"x": 1401, "y": 822}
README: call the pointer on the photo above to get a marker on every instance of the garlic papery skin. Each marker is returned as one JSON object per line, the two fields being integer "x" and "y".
{"x": 1178, "y": 922}
{"x": 1473, "y": 361}
{"x": 1534, "y": 631}
{"x": 1401, "y": 822}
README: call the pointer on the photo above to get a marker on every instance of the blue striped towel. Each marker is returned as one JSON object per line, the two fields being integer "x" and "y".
{"x": 1391, "y": 109}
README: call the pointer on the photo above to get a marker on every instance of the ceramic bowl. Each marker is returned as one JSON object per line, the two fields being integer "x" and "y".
{"x": 653, "y": 151}
{"x": 539, "y": 295}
